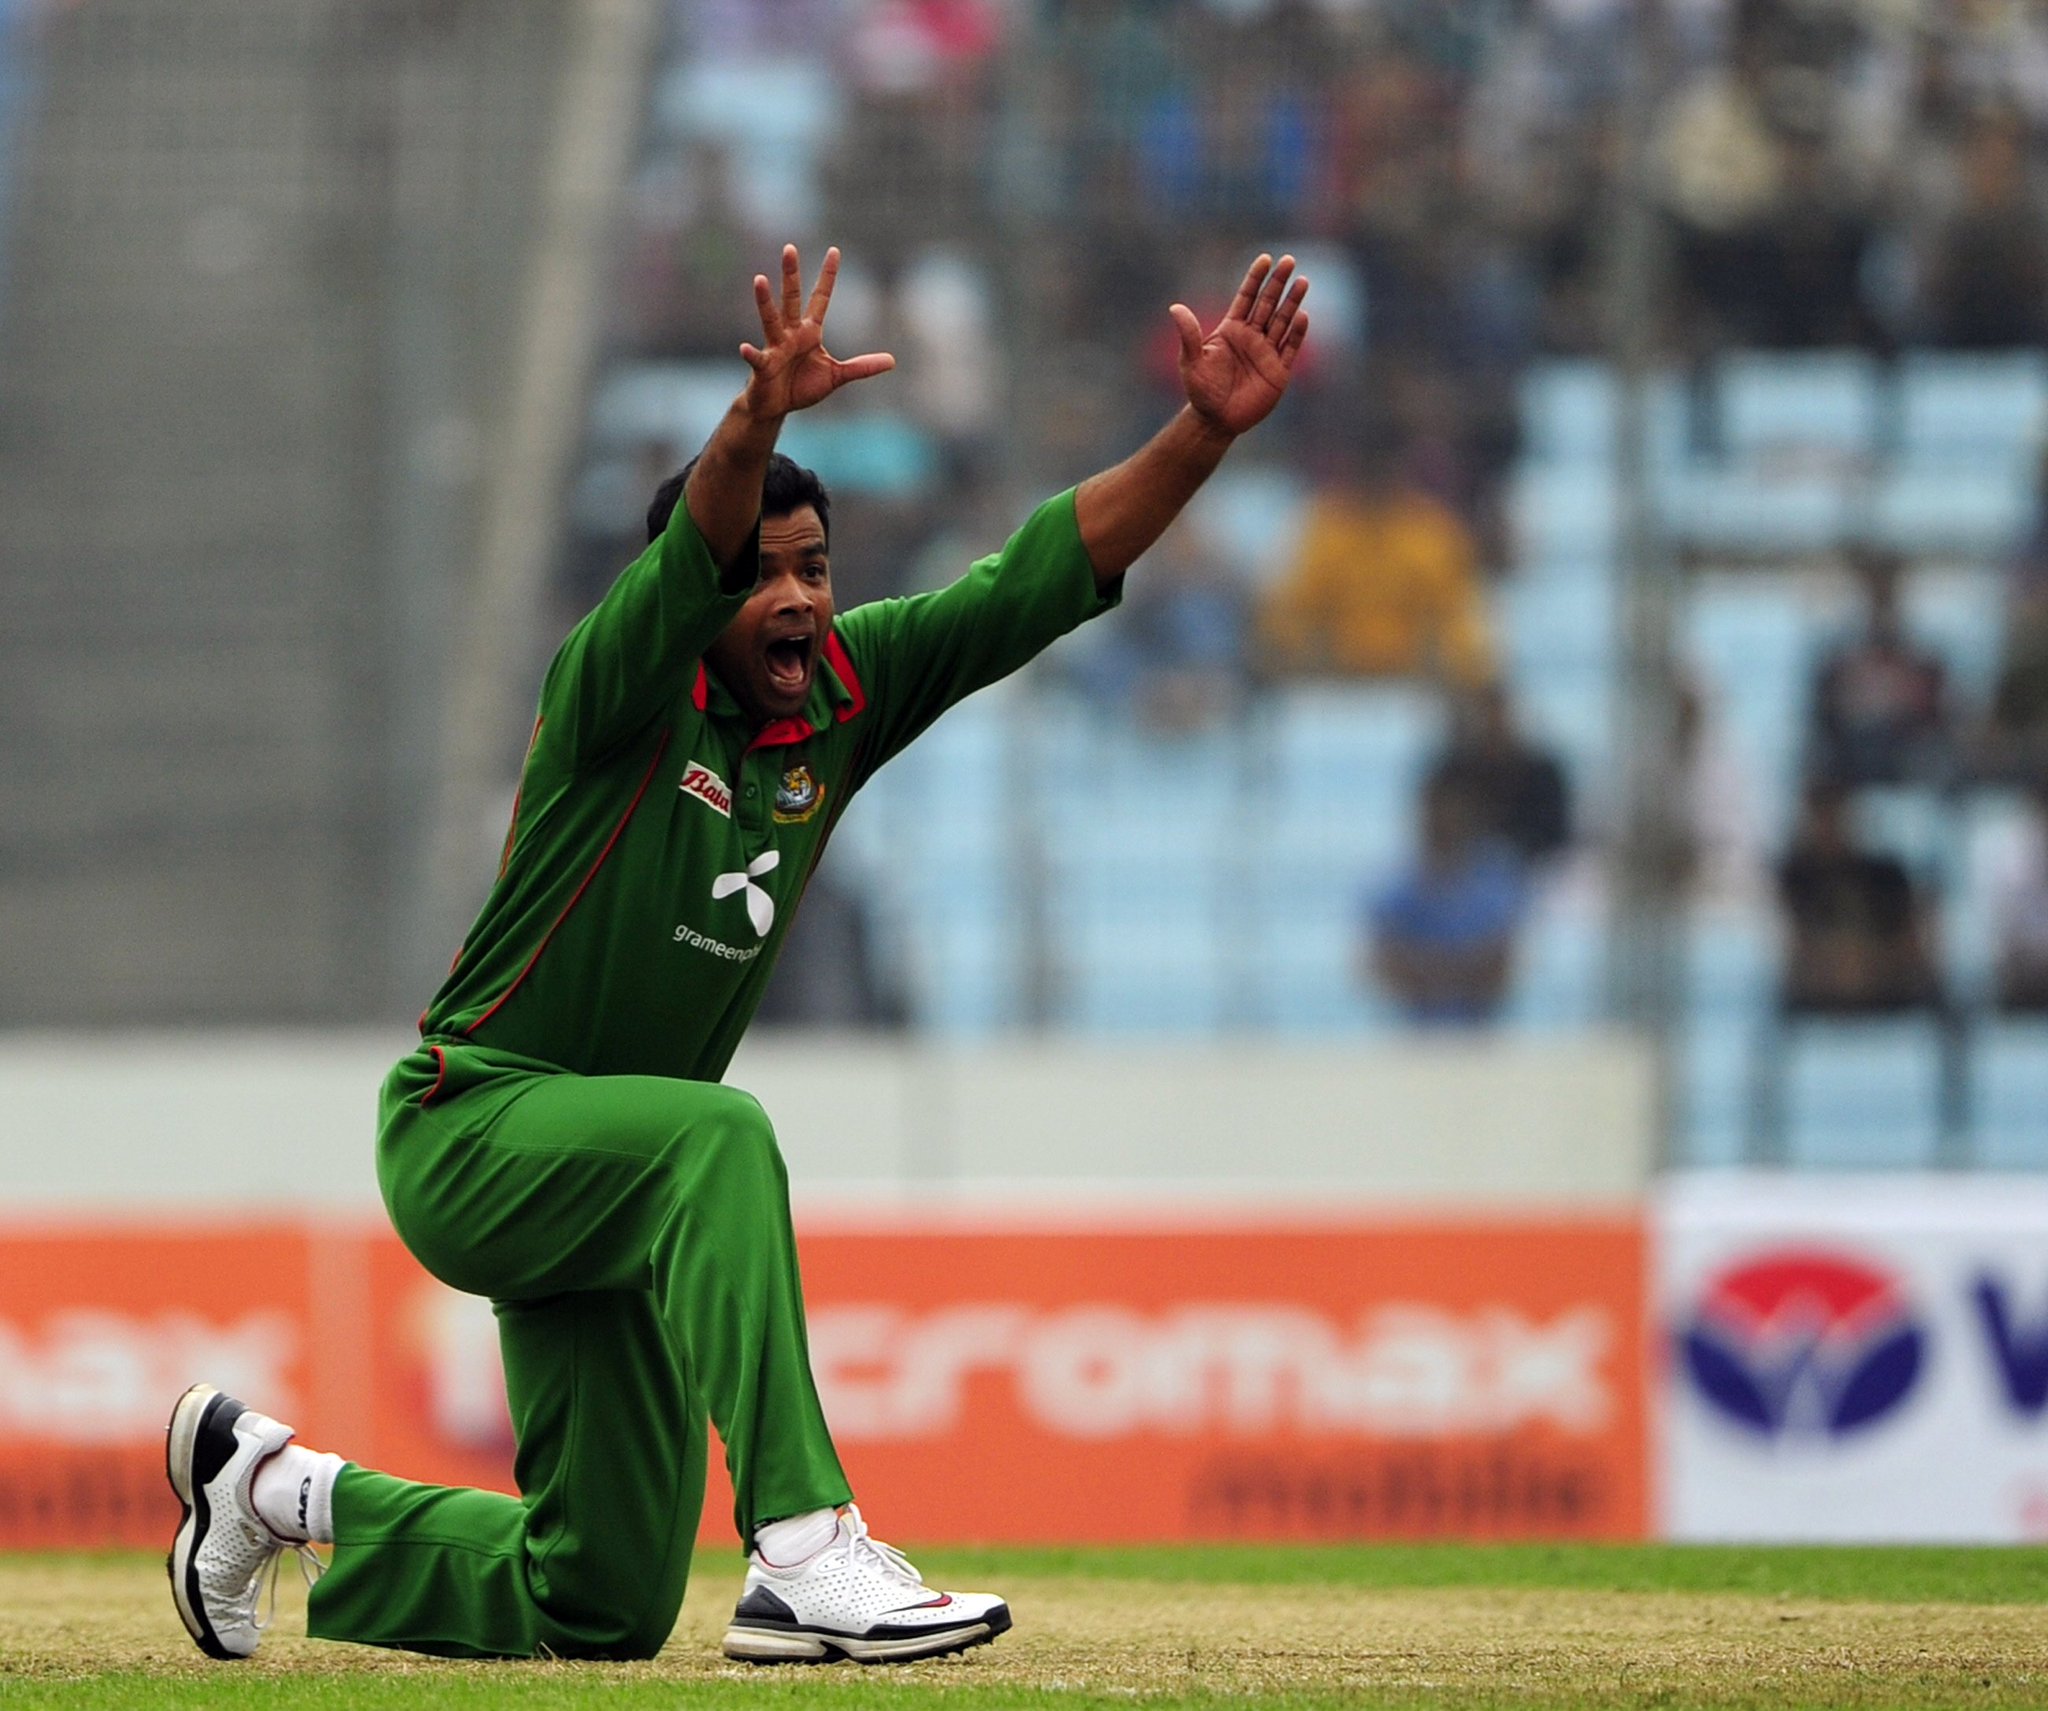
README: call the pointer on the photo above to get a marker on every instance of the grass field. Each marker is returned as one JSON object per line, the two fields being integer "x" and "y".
{"x": 1356, "y": 1627}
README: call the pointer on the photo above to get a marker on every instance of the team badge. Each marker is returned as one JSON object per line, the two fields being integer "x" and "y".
{"x": 711, "y": 790}
{"x": 798, "y": 796}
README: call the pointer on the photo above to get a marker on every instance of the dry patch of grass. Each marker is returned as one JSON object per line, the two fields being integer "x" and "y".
{"x": 102, "y": 1632}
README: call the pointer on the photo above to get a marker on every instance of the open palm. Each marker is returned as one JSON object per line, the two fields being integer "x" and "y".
{"x": 1235, "y": 374}
{"x": 792, "y": 368}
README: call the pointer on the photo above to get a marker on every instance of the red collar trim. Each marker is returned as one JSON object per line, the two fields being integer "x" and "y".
{"x": 842, "y": 668}
{"x": 781, "y": 734}
{"x": 785, "y": 732}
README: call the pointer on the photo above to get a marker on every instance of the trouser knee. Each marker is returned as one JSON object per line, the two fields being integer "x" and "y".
{"x": 620, "y": 1624}
{"x": 734, "y": 1143}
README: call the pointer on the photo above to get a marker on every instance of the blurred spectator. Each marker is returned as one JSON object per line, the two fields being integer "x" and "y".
{"x": 1859, "y": 931}
{"x": 1720, "y": 850}
{"x": 2017, "y": 887}
{"x": 1384, "y": 584}
{"x": 1176, "y": 656}
{"x": 1987, "y": 279}
{"x": 1880, "y": 703}
{"x": 1443, "y": 935}
{"x": 828, "y": 976}
{"x": 2013, "y": 746}
{"x": 1517, "y": 790}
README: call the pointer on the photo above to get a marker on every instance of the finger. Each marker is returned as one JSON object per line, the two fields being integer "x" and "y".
{"x": 1190, "y": 331}
{"x": 1254, "y": 277}
{"x": 1269, "y": 293}
{"x": 863, "y": 367}
{"x": 1290, "y": 347}
{"x": 792, "y": 287}
{"x": 1276, "y": 329}
{"x": 821, "y": 298}
{"x": 764, "y": 304}
{"x": 756, "y": 360}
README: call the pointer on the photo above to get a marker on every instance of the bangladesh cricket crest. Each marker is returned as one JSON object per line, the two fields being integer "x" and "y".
{"x": 797, "y": 797}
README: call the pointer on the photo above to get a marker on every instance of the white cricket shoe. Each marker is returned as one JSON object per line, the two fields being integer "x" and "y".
{"x": 857, "y": 1598}
{"x": 222, "y": 1548}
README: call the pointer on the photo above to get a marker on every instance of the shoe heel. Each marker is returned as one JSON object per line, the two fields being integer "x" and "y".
{"x": 764, "y": 1645}
{"x": 180, "y": 1436}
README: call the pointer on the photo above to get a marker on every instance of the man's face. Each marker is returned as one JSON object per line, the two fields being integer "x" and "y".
{"x": 768, "y": 655}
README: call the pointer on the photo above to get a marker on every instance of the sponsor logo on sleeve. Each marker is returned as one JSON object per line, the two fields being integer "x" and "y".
{"x": 711, "y": 790}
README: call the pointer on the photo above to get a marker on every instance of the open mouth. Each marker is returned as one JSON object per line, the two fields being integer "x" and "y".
{"x": 789, "y": 663}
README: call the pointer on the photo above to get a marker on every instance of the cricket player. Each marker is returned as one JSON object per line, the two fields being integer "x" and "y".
{"x": 561, "y": 1142}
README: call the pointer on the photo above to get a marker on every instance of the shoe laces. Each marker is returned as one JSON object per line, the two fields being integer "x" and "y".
{"x": 863, "y": 1545}
{"x": 263, "y": 1603}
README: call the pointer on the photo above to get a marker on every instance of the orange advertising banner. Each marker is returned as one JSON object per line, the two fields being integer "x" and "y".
{"x": 1305, "y": 1380}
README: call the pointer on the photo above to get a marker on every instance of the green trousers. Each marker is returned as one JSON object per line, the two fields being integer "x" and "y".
{"x": 633, "y": 1235}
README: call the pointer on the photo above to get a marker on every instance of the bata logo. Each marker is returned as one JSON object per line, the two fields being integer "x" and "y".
{"x": 1400, "y": 1370}
{"x": 97, "y": 1377}
{"x": 704, "y": 784}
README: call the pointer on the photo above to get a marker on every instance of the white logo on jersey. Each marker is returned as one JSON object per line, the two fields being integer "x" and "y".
{"x": 711, "y": 790}
{"x": 760, "y": 906}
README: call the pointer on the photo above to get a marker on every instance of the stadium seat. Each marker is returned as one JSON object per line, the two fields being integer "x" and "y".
{"x": 1961, "y": 615}
{"x": 680, "y": 402}
{"x": 1751, "y": 638}
{"x": 1252, "y": 513}
{"x": 1758, "y": 509}
{"x": 1571, "y": 414}
{"x": 1731, "y": 962}
{"x": 1915, "y": 824}
{"x": 1564, "y": 514}
{"x": 1976, "y": 509}
{"x": 1861, "y": 1095}
{"x": 1955, "y": 408}
{"x": 1546, "y": 625}
{"x": 1992, "y": 824}
{"x": 1715, "y": 1091}
{"x": 1774, "y": 405}
{"x": 1560, "y": 969}
{"x": 2008, "y": 1094}
{"x": 1571, "y": 709}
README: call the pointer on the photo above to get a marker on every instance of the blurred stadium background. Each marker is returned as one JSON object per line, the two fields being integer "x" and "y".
{"x": 1584, "y": 763}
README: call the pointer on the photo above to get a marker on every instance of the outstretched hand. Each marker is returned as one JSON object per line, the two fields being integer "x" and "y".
{"x": 792, "y": 368}
{"x": 1235, "y": 375}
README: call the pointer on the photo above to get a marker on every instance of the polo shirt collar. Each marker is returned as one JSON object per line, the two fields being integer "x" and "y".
{"x": 836, "y": 696}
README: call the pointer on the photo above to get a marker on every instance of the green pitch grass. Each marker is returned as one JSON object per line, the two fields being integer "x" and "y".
{"x": 1221, "y": 1629}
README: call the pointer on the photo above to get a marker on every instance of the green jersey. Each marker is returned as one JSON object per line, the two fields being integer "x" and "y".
{"x": 661, "y": 840}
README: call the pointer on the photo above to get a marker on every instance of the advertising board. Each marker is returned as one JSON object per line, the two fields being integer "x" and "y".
{"x": 1854, "y": 1359}
{"x": 1307, "y": 1379}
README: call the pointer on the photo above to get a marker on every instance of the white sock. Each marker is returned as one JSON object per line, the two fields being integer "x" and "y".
{"x": 294, "y": 1494}
{"x": 784, "y": 1544}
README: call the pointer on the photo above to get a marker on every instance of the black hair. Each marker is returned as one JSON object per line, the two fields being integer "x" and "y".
{"x": 787, "y": 487}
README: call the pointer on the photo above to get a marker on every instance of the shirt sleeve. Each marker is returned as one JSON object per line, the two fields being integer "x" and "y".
{"x": 633, "y": 654}
{"x": 919, "y": 655}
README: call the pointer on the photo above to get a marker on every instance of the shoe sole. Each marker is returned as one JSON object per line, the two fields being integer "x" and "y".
{"x": 181, "y": 1455}
{"x": 747, "y": 1644}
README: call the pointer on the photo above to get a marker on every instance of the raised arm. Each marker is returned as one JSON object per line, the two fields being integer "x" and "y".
{"x": 1233, "y": 377}
{"x": 792, "y": 370}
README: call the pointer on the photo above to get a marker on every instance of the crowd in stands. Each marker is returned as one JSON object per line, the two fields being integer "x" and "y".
{"x": 1021, "y": 189}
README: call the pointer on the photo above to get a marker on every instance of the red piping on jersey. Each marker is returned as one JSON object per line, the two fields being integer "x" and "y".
{"x": 700, "y": 691}
{"x": 440, "y": 1058}
{"x": 548, "y": 937}
{"x": 512, "y": 831}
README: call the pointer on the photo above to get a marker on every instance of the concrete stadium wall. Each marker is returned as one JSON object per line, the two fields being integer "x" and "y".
{"x": 215, "y": 1122}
